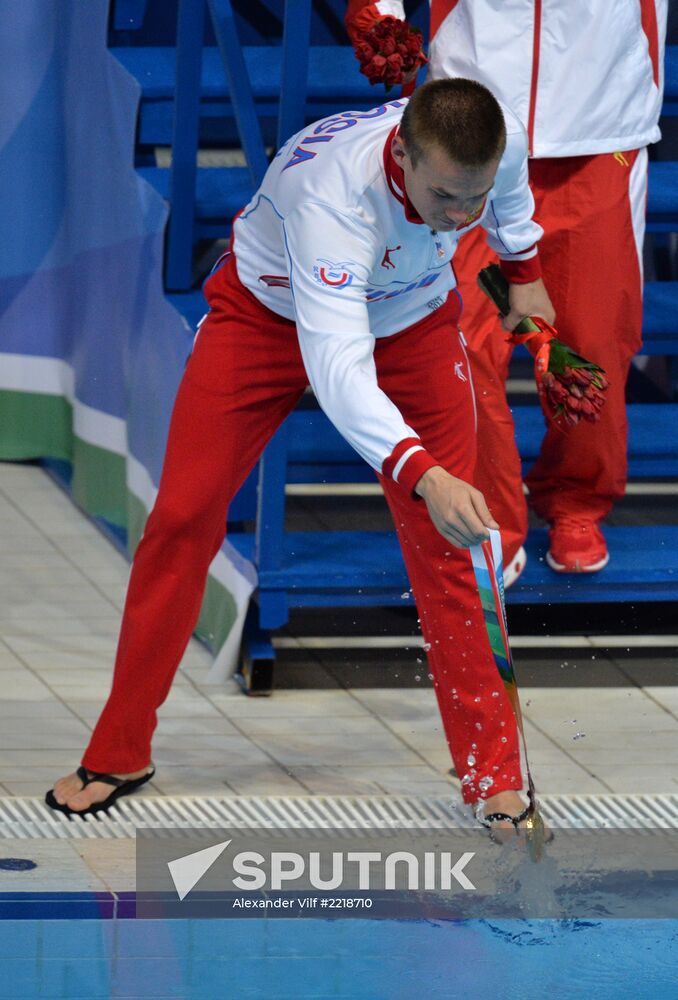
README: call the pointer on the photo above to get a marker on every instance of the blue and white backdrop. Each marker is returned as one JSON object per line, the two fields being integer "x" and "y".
{"x": 91, "y": 353}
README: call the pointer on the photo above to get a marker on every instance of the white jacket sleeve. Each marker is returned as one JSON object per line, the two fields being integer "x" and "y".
{"x": 511, "y": 231}
{"x": 330, "y": 257}
{"x": 392, "y": 8}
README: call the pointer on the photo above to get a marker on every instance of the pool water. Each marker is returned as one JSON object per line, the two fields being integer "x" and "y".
{"x": 300, "y": 959}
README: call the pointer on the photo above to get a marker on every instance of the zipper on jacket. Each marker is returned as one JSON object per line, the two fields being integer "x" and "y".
{"x": 536, "y": 45}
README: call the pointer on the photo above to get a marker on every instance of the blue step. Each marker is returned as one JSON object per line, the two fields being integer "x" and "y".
{"x": 317, "y": 452}
{"x": 337, "y": 568}
{"x": 334, "y": 84}
{"x": 653, "y": 441}
{"x": 660, "y": 317}
{"x": 220, "y": 191}
{"x": 312, "y": 436}
{"x": 333, "y": 72}
{"x": 662, "y": 196}
{"x": 671, "y": 80}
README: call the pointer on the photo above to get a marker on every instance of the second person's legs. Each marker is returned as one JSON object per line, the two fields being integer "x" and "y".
{"x": 592, "y": 209}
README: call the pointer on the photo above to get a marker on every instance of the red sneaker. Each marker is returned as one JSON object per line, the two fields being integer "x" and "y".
{"x": 576, "y": 545}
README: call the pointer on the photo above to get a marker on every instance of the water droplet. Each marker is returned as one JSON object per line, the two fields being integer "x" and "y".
{"x": 430, "y": 677}
{"x": 470, "y": 760}
{"x": 476, "y": 700}
{"x": 427, "y": 646}
{"x": 504, "y": 740}
{"x": 485, "y": 783}
{"x": 405, "y": 596}
{"x": 479, "y": 725}
{"x": 495, "y": 694}
{"x": 467, "y": 622}
{"x": 417, "y": 678}
{"x": 579, "y": 736}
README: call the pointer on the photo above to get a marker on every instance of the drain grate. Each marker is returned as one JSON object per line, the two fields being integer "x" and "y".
{"x": 30, "y": 818}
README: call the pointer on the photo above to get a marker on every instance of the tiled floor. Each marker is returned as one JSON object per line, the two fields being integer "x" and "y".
{"x": 603, "y": 724}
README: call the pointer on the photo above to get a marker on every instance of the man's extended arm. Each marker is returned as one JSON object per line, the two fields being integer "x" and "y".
{"x": 330, "y": 257}
{"x": 328, "y": 286}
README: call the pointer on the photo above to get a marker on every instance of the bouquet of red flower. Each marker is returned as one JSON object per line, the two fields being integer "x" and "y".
{"x": 389, "y": 50}
{"x": 570, "y": 387}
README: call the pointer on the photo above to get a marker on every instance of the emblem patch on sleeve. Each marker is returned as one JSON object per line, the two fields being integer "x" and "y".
{"x": 333, "y": 274}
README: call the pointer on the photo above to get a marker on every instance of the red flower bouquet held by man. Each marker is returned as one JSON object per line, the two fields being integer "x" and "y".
{"x": 570, "y": 387}
{"x": 389, "y": 50}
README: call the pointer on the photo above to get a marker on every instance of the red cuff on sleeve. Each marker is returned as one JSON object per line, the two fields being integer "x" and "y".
{"x": 361, "y": 16}
{"x": 521, "y": 272}
{"x": 407, "y": 463}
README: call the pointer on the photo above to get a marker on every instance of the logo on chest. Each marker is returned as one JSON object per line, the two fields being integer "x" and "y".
{"x": 386, "y": 259}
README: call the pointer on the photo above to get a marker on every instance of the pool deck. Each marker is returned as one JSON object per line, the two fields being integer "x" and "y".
{"x": 63, "y": 587}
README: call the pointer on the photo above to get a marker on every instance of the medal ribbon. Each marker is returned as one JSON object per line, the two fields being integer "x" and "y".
{"x": 487, "y": 565}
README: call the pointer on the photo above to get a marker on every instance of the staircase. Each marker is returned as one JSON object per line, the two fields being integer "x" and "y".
{"x": 254, "y": 94}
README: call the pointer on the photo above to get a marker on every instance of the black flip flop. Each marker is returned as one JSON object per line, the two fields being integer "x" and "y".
{"x": 123, "y": 786}
{"x": 494, "y": 817}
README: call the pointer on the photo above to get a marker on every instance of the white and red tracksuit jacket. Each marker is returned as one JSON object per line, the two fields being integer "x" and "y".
{"x": 583, "y": 76}
{"x": 330, "y": 241}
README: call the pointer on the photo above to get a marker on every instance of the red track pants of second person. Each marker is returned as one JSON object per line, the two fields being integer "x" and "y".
{"x": 592, "y": 209}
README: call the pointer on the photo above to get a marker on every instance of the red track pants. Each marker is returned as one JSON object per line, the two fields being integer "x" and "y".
{"x": 244, "y": 376}
{"x": 592, "y": 209}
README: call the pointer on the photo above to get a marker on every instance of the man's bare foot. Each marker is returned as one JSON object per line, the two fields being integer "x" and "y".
{"x": 69, "y": 790}
{"x": 511, "y": 803}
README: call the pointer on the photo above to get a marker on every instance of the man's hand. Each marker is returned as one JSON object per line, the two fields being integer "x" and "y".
{"x": 458, "y": 511}
{"x": 530, "y": 299}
